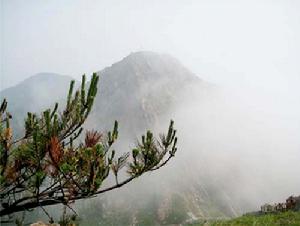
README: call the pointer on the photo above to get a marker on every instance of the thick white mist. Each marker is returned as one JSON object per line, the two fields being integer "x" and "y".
{"x": 245, "y": 141}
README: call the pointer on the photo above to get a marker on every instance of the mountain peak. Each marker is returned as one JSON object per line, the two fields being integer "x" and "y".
{"x": 150, "y": 56}
{"x": 148, "y": 65}
{"x": 142, "y": 86}
{"x": 142, "y": 55}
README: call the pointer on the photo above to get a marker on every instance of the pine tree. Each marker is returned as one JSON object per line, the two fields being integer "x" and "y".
{"x": 47, "y": 167}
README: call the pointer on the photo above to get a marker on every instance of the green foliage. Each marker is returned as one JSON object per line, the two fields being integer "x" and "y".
{"x": 150, "y": 152}
{"x": 46, "y": 167}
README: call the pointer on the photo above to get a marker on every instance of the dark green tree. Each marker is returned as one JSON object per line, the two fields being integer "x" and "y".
{"x": 48, "y": 167}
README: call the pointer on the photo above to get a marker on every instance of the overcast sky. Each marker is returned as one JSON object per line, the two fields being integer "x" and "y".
{"x": 234, "y": 43}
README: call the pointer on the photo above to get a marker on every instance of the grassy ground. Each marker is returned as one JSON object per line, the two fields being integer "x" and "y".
{"x": 283, "y": 219}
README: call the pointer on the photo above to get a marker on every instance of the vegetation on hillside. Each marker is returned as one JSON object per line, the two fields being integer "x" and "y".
{"x": 289, "y": 218}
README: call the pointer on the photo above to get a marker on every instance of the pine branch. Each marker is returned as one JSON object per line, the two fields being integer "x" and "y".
{"x": 44, "y": 168}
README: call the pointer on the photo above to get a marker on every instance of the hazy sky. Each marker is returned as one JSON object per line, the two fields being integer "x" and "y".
{"x": 234, "y": 43}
